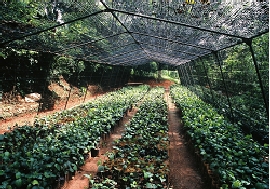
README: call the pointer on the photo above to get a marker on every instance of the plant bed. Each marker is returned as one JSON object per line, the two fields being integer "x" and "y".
{"x": 234, "y": 160}
{"x": 248, "y": 111}
{"x": 48, "y": 153}
{"x": 140, "y": 157}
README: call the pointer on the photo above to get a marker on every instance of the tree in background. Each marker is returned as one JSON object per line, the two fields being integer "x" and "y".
{"x": 145, "y": 70}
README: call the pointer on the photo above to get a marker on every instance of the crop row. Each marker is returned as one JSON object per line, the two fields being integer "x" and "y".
{"x": 231, "y": 159}
{"x": 44, "y": 155}
{"x": 248, "y": 112}
{"x": 140, "y": 157}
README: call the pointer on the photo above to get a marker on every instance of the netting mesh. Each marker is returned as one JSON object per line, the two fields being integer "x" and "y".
{"x": 195, "y": 38}
{"x": 172, "y": 33}
{"x": 232, "y": 86}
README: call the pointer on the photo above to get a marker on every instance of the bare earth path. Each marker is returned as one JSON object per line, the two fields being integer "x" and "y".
{"x": 184, "y": 173}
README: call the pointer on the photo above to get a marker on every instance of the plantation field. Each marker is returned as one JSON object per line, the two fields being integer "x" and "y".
{"x": 134, "y": 94}
{"x": 29, "y": 117}
{"x": 144, "y": 153}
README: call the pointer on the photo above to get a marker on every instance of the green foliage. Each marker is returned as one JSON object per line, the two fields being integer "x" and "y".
{"x": 239, "y": 161}
{"x": 31, "y": 16}
{"x": 238, "y": 80}
{"x": 261, "y": 49}
{"x": 145, "y": 70}
{"x": 22, "y": 68}
{"x": 143, "y": 147}
{"x": 67, "y": 66}
{"x": 19, "y": 12}
{"x": 39, "y": 156}
{"x": 237, "y": 67}
{"x": 249, "y": 111}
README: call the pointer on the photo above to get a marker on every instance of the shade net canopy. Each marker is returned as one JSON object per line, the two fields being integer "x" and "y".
{"x": 131, "y": 33}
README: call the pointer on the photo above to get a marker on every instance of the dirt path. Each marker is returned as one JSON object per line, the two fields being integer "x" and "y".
{"x": 80, "y": 181}
{"x": 184, "y": 173}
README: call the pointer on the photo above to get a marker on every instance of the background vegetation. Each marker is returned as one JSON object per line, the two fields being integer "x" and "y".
{"x": 231, "y": 83}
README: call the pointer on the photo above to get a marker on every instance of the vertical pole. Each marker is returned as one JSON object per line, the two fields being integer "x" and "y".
{"x": 208, "y": 80}
{"x": 45, "y": 83}
{"x": 110, "y": 81}
{"x": 102, "y": 76}
{"x": 100, "y": 83}
{"x": 249, "y": 43}
{"x": 194, "y": 74}
{"x": 71, "y": 86}
{"x": 180, "y": 75}
{"x": 115, "y": 83}
{"x": 192, "y": 77}
{"x": 77, "y": 79}
{"x": 123, "y": 74}
{"x": 216, "y": 54}
{"x": 87, "y": 83}
{"x": 200, "y": 79}
{"x": 90, "y": 76}
{"x": 178, "y": 70}
{"x": 85, "y": 92}
{"x": 175, "y": 67}
{"x": 185, "y": 73}
{"x": 78, "y": 82}
{"x": 159, "y": 73}
{"x": 184, "y": 82}
{"x": 182, "y": 67}
{"x": 190, "y": 70}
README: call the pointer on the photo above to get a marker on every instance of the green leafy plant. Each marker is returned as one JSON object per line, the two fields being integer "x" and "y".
{"x": 218, "y": 141}
{"x": 48, "y": 152}
{"x": 143, "y": 147}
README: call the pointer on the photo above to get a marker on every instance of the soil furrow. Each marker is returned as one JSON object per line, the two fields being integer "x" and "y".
{"x": 91, "y": 165}
{"x": 184, "y": 173}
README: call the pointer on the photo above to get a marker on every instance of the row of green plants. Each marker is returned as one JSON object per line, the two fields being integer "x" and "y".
{"x": 49, "y": 153}
{"x": 232, "y": 159}
{"x": 248, "y": 112}
{"x": 140, "y": 157}
{"x": 99, "y": 107}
